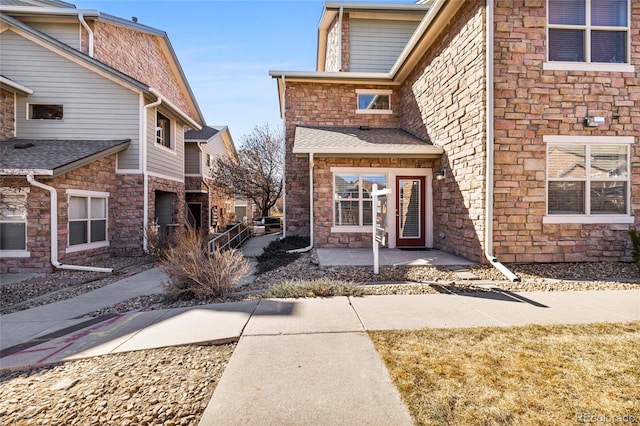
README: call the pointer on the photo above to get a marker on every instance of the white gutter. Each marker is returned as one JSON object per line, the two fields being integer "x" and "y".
{"x": 16, "y": 86}
{"x": 329, "y": 75}
{"x": 310, "y": 246}
{"x": 86, "y": 27}
{"x": 339, "y": 39}
{"x": 53, "y": 223}
{"x": 54, "y": 11}
{"x": 145, "y": 174}
{"x": 488, "y": 238}
{"x": 284, "y": 155}
{"x": 175, "y": 108}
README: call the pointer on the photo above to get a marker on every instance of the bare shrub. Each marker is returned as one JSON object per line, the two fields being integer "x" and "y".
{"x": 194, "y": 274}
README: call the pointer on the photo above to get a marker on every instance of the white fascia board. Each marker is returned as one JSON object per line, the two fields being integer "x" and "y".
{"x": 5, "y": 82}
{"x": 390, "y": 7}
{"x": 335, "y": 77}
{"x": 24, "y": 172}
{"x": 50, "y": 11}
{"x": 434, "y": 150}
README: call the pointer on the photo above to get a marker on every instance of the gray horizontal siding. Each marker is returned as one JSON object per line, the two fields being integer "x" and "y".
{"x": 375, "y": 45}
{"x": 159, "y": 159}
{"x": 69, "y": 34}
{"x": 191, "y": 159}
{"x": 94, "y": 106}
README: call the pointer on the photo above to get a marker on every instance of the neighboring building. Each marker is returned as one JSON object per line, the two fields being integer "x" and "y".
{"x": 507, "y": 131}
{"x": 210, "y": 210}
{"x": 94, "y": 110}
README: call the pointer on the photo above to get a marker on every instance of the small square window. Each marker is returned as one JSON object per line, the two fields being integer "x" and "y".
{"x": 87, "y": 219}
{"x": 45, "y": 112}
{"x": 374, "y": 101}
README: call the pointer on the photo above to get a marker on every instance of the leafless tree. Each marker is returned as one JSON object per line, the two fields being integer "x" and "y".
{"x": 257, "y": 174}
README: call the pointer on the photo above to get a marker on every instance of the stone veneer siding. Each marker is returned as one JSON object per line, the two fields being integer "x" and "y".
{"x": 7, "y": 114}
{"x": 318, "y": 105}
{"x": 443, "y": 100}
{"x": 531, "y": 102}
{"x": 125, "y": 228}
{"x": 139, "y": 55}
{"x": 334, "y": 49}
{"x": 323, "y": 198}
{"x": 128, "y": 210}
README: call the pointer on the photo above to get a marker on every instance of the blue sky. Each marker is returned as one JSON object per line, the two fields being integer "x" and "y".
{"x": 227, "y": 48}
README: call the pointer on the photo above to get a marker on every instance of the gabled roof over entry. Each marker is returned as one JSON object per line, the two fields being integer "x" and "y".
{"x": 362, "y": 142}
{"x": 20, "y": 157}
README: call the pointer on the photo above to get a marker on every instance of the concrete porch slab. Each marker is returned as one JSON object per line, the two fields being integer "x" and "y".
{"x": 388, "y": 257}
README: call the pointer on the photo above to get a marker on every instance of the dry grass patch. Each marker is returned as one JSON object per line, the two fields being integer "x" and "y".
{"x": 313, "y": 288}
{"x": 515, "y": 376}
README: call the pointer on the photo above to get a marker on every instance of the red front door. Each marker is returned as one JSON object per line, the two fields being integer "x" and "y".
{"x": 410, "y": 211}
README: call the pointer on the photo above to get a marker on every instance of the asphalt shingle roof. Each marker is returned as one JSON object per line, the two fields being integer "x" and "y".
{"x": 358, "y": 140}
{"x": 54, "y": 155}
{"x": 205, "y": 134}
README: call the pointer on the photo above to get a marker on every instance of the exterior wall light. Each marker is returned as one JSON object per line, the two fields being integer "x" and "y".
{"x": 440, "y": 175}
{"x": 593, "y": 121}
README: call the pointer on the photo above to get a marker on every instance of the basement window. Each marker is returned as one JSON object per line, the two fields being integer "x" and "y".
{"x": 45, "y": 112}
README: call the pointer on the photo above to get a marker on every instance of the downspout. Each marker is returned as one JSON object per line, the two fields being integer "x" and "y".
{"x": 339, "y": 39}
{"x": 284, "y": 154}
{"x": 86, "y": 27}
{"x": 145, "y": 174}
{"x": 54, "y": 230}
{"x": 310, "y": 246}
{"x": 488, "y": 238}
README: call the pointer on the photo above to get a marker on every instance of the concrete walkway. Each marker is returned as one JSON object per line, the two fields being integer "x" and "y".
{"x": 298, "y": 361}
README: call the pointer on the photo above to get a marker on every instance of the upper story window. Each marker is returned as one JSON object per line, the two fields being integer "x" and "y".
{"x": 588, "y": 31}
{"x": 163, "y": 130}
{"x": 13, "y": 222}
{"x": 45, "y": 112}
{"x": 374, "y": 101}
{"x": 587, "y": 180}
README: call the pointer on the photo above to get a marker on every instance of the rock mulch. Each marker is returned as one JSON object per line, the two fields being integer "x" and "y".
{"x": 172, "y": 386}
{"x": 65, "y": 284}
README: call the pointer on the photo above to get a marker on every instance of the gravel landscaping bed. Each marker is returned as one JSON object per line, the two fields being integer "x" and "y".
{"x": 391, "y": 280}
{"x": 65, "y": 284}
{"x": 172, "y": 386}
{"x": 169, "y": 386}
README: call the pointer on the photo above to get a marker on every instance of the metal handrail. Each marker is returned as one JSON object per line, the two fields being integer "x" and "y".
{"x": 231, "y": 238}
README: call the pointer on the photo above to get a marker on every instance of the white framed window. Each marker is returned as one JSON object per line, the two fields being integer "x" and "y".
{"x": 588, "y": 179}
{"x": 209, "y": 160}
{"x": 594, "y": 34}
{"x": 45, "y": 111}
{"x": 164, "y": 130}
{"x": 352, "y": 205}
{"x": 13, "y": 223}
{"x": 88, "y": 224}
{"x": 372, "y": 101}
